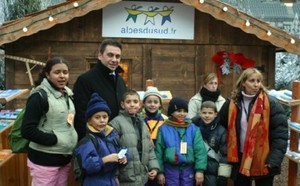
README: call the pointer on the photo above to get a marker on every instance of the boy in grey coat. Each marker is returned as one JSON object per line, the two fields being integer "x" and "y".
{"x": 134, "y": 136}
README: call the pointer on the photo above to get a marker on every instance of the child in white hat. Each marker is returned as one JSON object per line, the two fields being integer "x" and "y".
{"x": 153, "y": 117}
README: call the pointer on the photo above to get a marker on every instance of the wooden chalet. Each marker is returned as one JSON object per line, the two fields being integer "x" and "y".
{"x": 175, "y": 65}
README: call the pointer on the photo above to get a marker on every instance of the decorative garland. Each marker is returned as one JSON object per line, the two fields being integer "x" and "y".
{"x": 227, "y": 61}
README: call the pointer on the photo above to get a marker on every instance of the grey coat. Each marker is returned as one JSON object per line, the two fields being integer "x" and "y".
{"x": 136, "y": 171}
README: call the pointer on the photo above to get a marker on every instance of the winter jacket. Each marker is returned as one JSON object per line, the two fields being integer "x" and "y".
{"x": 135, "y": 173}
{"x": 96, "y": 172}
{"x": 52, "y": 138}
{"x": 99, "y": 80}
{"x": 196, "y": 102}
{"x": 153, "y": 123}
{"x": 215, "y": 135}
{"x": 278, "y": 132}
{"x": 168, "y": 142}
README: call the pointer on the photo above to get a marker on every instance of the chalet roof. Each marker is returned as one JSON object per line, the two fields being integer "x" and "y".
{"x": 64, "y": 12}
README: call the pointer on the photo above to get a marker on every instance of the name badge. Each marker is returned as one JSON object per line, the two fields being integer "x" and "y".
{"x": 183, "y": 147}
{"x": 70, "y": 119}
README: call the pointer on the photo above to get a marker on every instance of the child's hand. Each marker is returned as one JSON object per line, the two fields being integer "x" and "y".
{"x": 123, "y": 160}
{"x": 199, "y": 178}
{"x": 110, "y": 158}
{"x": 152, "y": 174}
{"x": 161, "y": 179}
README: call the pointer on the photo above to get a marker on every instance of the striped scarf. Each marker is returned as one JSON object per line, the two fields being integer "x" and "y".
{"x": 256, "y": 147}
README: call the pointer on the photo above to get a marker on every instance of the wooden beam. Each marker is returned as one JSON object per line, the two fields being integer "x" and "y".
{"x": 237, "y": 18}
{"x": 39, "y": 21}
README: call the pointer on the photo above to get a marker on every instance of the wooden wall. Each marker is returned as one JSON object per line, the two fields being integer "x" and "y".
{"x": 175, "y": 65}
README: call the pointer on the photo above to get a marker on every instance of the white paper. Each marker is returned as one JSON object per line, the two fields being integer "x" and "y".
{"x": 122, "y": 153}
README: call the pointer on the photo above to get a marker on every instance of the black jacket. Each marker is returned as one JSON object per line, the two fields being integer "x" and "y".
{"x": 215, "y": 135}
{"x": 278, "y": 132}
{"x": 99, "y": 80}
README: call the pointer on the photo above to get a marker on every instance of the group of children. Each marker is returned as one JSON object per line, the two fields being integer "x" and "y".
{"x": 161, "y": 150}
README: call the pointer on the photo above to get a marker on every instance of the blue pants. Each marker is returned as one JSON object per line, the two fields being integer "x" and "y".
{"x": 179, "y": 176}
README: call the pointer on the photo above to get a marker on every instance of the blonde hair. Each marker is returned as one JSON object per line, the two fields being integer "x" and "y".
{"x": 209, "y": 77}
{"x": 236, "y": 93}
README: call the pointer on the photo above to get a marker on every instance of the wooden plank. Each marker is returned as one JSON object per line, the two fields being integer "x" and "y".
{"x": 294, "y": 136}
{"x": 12, "y": 97}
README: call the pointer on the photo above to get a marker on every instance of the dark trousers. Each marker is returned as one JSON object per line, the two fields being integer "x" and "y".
{"x": 242, "y": 180}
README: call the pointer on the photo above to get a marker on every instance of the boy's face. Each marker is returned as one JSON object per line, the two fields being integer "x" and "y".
{"x": 179, "y": 115}
{"x": 208, "y": 115}
{"x": 131, "y": 104}
{"x": 99, "y": 120}
{"x": 152, "y": 103}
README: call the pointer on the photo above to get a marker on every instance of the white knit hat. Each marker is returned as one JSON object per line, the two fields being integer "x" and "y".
{"x": 152, "y": 91}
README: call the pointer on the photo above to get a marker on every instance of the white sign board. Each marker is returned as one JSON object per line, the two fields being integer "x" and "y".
{"x": 131, "y": 19}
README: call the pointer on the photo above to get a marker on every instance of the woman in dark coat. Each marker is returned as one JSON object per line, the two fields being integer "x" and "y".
{"x": 257, "y": 131}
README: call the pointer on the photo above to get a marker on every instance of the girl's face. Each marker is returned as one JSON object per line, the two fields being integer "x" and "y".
{"x": 208, "y": 115}
{"x": 212, "y": 85}
{"x": 99, "y": 120}
{"x": 179, "y": 115}
{"x": 59, "y": 75}
{"x": 152, "y": 103}
{"x": 131, "y": 104}
{"x": 252, "y": 84}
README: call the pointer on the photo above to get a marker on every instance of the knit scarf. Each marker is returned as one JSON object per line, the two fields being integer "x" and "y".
{"x": 209, "y": 95}
{"x": 256, "y": 147}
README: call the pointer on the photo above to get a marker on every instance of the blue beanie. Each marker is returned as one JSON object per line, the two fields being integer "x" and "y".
{"x": 96, "y": 104}
{"x": 177, "y": 103}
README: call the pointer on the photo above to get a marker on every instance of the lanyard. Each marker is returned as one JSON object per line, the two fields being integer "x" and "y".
{"x": 151, "y": 130}
{"x": 181, "y": 135}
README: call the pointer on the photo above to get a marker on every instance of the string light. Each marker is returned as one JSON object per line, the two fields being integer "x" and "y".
{"x": 242, "y": 16}
{"x": 211, "y": 3}
{"x": 25, "y": 29}
{"x": 247, "y": 23}
{"x": 50, "y": 18}
{"x": 75, "y": 4}
{"x": 292, "y": 41}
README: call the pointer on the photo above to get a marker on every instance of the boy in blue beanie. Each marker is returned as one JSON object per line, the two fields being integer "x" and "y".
{"x": 180, "y": 148}
{"x": 99, "y": 164}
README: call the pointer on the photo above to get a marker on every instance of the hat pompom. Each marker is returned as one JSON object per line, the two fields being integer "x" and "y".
{"x": 152, "y": 91}
{"x": 177, "y": 103}
{"x": 96, "y": 104}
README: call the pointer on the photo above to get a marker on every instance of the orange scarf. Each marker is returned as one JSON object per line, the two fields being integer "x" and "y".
{"x": 256, "y": 147}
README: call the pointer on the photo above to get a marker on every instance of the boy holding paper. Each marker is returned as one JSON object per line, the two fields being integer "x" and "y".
{"x": 135, "y": 136}
{"x": 100, "y": 164}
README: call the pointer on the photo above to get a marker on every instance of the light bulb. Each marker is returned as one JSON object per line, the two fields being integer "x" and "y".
{"x": 50, "y": 18}
{"x": 269, "y": 33}
{"x": 75, "y": 4}
{"x": 247, "y": 23}
{"x": 292, "y": 41}
{"x": 225, "y": 8}
{"x": 25, "y": 29}
{"x": 201, "y": 1}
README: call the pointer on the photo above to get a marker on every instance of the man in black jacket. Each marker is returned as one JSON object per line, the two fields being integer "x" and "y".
{"x": 104, "y": 79}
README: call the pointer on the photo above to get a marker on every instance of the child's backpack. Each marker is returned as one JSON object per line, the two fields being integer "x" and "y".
{"x": 16, "y": 141}
{"x": 77, "y": 159}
